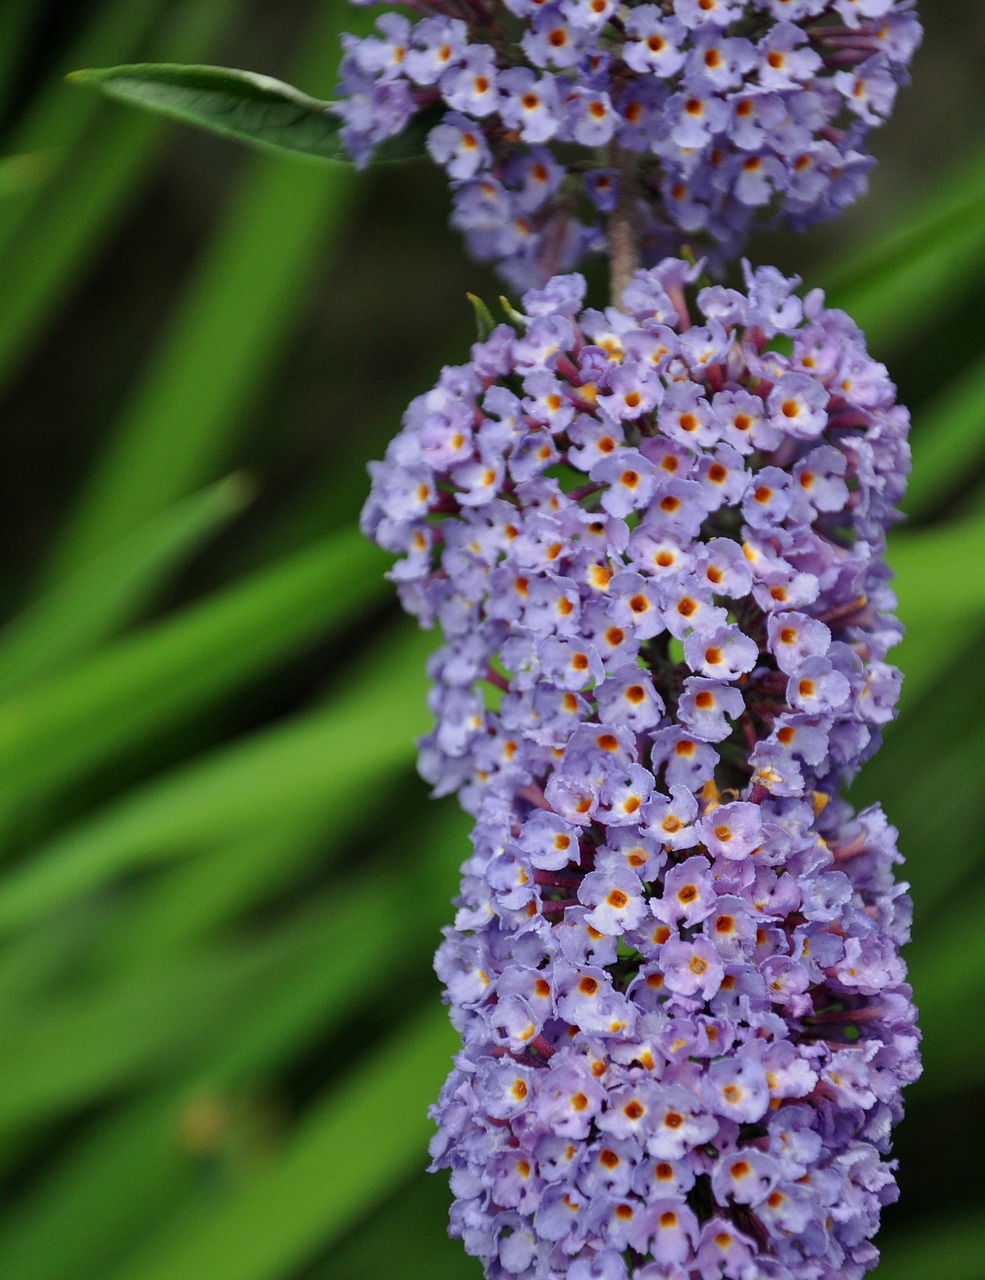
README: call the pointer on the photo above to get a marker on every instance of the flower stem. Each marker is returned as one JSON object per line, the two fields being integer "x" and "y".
{"x": 624, "y": 246}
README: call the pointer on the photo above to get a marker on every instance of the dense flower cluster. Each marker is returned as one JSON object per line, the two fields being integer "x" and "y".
{"x": 652, "y": 538}
{"x": 707, "y": 111}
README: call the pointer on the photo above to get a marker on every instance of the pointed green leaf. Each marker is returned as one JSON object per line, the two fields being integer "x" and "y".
{"x": 146, "y": 682}
{"x": 182, "y": 423}
{"x": 24, "y": 173}
{"x": 946, "y": 1246}
{"x": 921, "y": 265}
{"x": 50, "y": 237}
{"x": 352, "y": 1150}
{"x": 512, "y": 315}
{"x": 158, "y": 1017}
{"x": 243, "y": 105}
{"x": 87, "y": 608}
{"x": 133, "y": 1167}
{"x": 484, "y": 321}
{"x": 948, "y": 442}
{"x": 348, "y": 748}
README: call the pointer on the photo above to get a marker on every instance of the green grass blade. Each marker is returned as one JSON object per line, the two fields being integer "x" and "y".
{"x": 925, "y": 775}
{"x": 335, "y": 499}
{"x": 220, "y": 884}
{"x": 17, "y": 19}
{"x": 135, "y": 1167}
{"x": 355, "y": 1148}
{"x": 413, "y": 1222}
{"x": 418, "y": 880}
{"x": 80, "y": 613}
{"x": 941, "y": 594}
{"x": 43, "y": 260}
{"x": 168, "y": 1016}
{"x": 349, "y": 747}
{"x": 131, "y": 1166}
{"x": 73, "y": 1052}
{"x": 923, "y": 265}
{"x": 948, "y": 1247}
{"x": 47, "y": 251}
{"x": 925, "y": 655}
{"x": 948, "y": 443}
{"x": 24, "y": 173}
{"x": 147, "y": 682}
{"x": 231, "y": 329}
{"x": 945, "y": 963}
{"x": 37, "y": 961}
{"x": 52, "y": 123}
{"x": 936, "y": 570}
{"x": 180, "y": 427}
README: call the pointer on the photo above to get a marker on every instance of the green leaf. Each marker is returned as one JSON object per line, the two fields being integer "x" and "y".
{"x": 243, "y": 105}
{"x": 50, "y": 237}
{"x": 132, "y": 1166}
{"x": 54, "y": 120}
{"x": 945, "y": 962}
{"x": 941, "y": 597}
{"x": 413, "y": 1222}
{"x": 24, "y": 173}
{"x": 263, "y": 780}
{"x": 18, "y": 21}
{"x": 158, "y": 1016}
{"x": 919, "y": 267}
{"x": 185, "y": 417}
{"x": 484, "y": 321}
{"x": 512, "y": 315}
{"x": 937, "y": 575}
{"x": 184, "y": 421}
{"x": 146, "y": 682}
{"x": 949, "y": 1247}
{"x": 948, "y": 442}
{"x": 135, "y": 1029}
{"x": 337, "y": 496}
{"x": 133, "y": 1170}
{"x": 85, "y": 609}
{"x": 352, "y": 1150}
{"x": 925, "y": 774}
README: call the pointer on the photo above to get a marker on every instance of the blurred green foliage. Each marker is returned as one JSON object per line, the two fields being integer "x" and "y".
{"x": 221, "y": 885}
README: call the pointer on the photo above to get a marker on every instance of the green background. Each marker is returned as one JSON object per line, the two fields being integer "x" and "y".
{"x": 221, "y": 882}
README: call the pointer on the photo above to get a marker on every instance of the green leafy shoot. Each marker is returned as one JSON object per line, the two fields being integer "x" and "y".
{"x": 484, "y": 321}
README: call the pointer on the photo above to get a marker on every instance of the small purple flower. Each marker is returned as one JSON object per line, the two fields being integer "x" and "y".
{"x": 616, "y": 898}
{"x": 732, "y": 830}
{"x": 704, "y": 706}
{"x": 732, "y": 109}
{"x": 675, "y": 961}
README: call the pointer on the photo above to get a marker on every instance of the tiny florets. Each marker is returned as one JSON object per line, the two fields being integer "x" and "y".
{"x": 710, "y": 112}
{"x": 653, "y": 540}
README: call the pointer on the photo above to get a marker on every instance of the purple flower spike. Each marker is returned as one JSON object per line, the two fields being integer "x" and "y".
{"x": 675, "y": 964}
{"x": 709, "y": 114}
